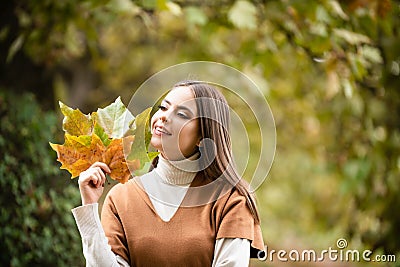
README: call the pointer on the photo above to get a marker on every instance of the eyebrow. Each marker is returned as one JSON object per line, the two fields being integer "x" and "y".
{"x": 179, "y": 106}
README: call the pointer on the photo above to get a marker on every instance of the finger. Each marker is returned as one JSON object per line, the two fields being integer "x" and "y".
{"x": 102, "y": 165}
{"x": 92, "y": 179}
{"x": 85, "y": 177}
{"x": 97, "y": 177}
{"x": 103, "y": 177}
{"x": 100, "y": 174}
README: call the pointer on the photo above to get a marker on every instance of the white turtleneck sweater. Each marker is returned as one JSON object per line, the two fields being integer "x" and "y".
{"x": 166, "y": 192}
{"x": 170, "y": 184}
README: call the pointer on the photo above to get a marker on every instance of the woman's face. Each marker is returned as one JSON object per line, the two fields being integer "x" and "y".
{"x": 175, "y": 126}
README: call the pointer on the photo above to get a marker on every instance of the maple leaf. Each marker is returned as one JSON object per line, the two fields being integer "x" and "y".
{"x": 99, "y": 131}
{"x": 103, "y": 137}
{"x": 115, "y": 159}
{"x": 114, "y": 119}
{"x": 79, "y": 152}
{"x": 139, "y": 145}
{"x": 75, "y": 122}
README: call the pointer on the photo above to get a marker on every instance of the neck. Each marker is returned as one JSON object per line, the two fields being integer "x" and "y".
{"x": 180, "y": 172}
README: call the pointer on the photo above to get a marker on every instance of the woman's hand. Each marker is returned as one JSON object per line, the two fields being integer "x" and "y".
{"x": 91, "y": 182}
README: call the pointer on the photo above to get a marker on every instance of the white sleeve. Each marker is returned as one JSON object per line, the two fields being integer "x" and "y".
{"x": 96, "y": 249}
{"x": 231, "y": 252}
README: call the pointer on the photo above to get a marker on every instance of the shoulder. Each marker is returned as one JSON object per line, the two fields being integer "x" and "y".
{"x": 235, "y": 196}
{"x": 231, "y": 195}
{"x": 233, "y": 217}
{"x": 232, "y": 202}
{"x": 123, "y": 192}
{"x": 119, "y": 188}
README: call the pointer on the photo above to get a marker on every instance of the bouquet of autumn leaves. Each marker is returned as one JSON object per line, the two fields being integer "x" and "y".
{"x": 111, "y": 135}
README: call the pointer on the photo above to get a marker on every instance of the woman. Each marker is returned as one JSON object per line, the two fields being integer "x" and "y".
{"x": 191, "y": 209}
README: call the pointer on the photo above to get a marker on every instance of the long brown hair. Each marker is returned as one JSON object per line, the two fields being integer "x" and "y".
{"x": 214, "y": 118}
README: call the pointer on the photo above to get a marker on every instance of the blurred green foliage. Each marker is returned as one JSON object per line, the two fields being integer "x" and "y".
{"x": 37, "y": 227}
{"x": 330, "y": 71}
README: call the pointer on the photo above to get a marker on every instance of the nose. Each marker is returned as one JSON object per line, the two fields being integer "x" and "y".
{"x": 164, "y": 117}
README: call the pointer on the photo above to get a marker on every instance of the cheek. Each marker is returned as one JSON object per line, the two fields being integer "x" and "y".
{"x": 189, "y": 134}
{"x": 153, "y": 120}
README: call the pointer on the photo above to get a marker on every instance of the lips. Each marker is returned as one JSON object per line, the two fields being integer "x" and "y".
{"x": 160, "y": 130}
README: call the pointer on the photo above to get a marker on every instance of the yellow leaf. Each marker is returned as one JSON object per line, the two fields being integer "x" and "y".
{"x": 75, "y": 122}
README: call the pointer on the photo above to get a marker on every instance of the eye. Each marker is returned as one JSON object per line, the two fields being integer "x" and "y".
{"x": 163, "y": 108}
{"x": 182, "y": 115}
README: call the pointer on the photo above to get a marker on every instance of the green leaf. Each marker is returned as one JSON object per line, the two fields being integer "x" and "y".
{"x": 73, "y": 43}
{"x": 75, "y": 122}
{"x": 4, "y": 33}
{"x": 358, "y": 65}
{"x": 372, "y": 54}
{"x": 174, "y": 8}
{"x": 348, "y": 88}
{"x": 123, "y": 7}
{"x": 337, "y": 9}
{"x": 160, "y": 4}
{"x": 141, "y": 142}
{"x": 15, "y": 47}
{"x": 152, "y": 154}
{"x": 99, "y": 131}
{"x": 352, "y": 37}
{"x": 195, "y": 16}
{"x": 243, "y": 15}
{"x": 112, "y": 118}
{"x": 322, "y": 15}
{"x": 131, "y": 129}
{"x": 149, "y": 4}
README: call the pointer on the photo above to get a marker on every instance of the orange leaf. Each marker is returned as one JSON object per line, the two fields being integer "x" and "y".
{"x": 78, "y": 153}
{"x": 115, "y": 159}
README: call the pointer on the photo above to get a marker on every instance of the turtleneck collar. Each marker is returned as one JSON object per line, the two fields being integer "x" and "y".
{"x": 180, "y": 172}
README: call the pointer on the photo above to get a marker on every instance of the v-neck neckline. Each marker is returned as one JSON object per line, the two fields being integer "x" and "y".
{"x": 146, "y": 197}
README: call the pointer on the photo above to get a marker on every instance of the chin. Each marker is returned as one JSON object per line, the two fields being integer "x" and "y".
{"x": 155, "y": 143}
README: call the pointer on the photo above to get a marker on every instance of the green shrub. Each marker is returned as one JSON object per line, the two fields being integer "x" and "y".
{"x": 37, "y": 227}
